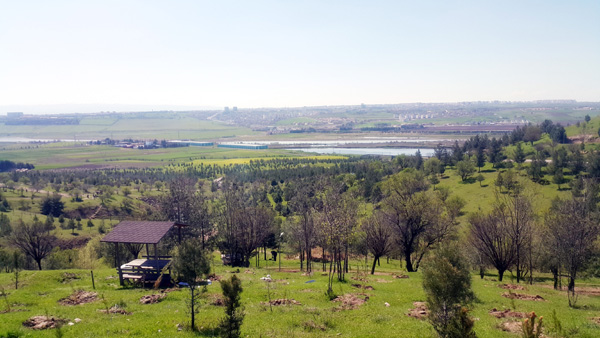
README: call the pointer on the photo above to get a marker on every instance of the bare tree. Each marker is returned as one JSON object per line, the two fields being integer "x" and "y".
{"x": 379, "y": 237}
{"x": 245, "y": 223}
{"x": 515, "y": 213}
{"x": 336, "y": 220}
{"x": 304, "y": 229}
{"x": 493, "y": 241}
{"x": 419, "y": 217}
{"x": 34, "y": 241}
{"x": 573, "y": 231}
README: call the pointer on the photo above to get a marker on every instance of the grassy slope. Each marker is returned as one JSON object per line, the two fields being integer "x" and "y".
{"x": 40, "y": 291}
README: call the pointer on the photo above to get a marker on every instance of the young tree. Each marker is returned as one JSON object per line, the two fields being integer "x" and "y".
{"x": 519, "y": 154}
{"x": 433, "y": 166}
{"x": 379, "y": 237}
{"x": 52, "y": 205}
{"x": 447, "y": 283}
{"x": 72, "y": 225}
{"x": 34, "y": 241}
{"x": 480, "y": 158}
{"x": 191, "y": 264}
{"x": 558, "y": 178}
{"x": 301, "y": 204}
{"x": 5, "y": 228}
{"x": 230, "y": 326}
{"x": 480, "y": 179}
{"x": 465, "y": 169}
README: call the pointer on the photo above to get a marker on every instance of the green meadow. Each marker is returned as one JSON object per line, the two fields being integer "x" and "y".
{"x": 39, "y": 293}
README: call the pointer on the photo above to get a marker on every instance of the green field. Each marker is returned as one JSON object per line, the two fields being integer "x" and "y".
{"x": 66, "y": 155}
{"x": 175, "y": 126}
{"x": 40, "y": 291}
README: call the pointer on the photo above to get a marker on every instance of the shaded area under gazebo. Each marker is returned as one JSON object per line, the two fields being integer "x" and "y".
{"x": 149, "y": 267}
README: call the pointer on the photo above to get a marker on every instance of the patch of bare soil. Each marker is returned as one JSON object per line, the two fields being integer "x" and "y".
{"x": 44, "y": 322}
{"x": 151, "y": 299}
{"x": 512, "y": 327}
{"x": 588, "y": 291}
{"x": 350, "y": 301}
{"x": 364, "y": 287}
{"x": 507, "y": 314}
{"x": 214, "y": 277}
{"x": 383, "y": 281}
{"x": 282, "y": 301}
{"x": 511, "y": 287}
{"x": 217, "y": 301}
{"x": 115, "y": 309}
{"x": 596, "y": 320}
{"x": 169, "y": 290}
{"x": 249, "y": 271}
{"x": 79, "y": 297}
{"x": 68, "y": 277}
{"x": 400, "y": 276}
{"x": 522, "y": 296}
{"x": 419, "y": 311}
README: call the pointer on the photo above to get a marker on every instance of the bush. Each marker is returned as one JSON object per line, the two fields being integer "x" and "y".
{"x": 447, "y": 283}
{"x": 234, "y": 315}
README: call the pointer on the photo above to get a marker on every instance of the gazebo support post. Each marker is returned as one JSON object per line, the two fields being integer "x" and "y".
{"x": 118, "y": 257}
{"x": 147, "y": 252}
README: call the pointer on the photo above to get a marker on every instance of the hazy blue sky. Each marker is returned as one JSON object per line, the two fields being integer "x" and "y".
{"x": 294, "y": 53}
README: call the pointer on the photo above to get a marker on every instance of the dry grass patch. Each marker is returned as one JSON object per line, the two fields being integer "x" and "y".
{"x": 522, "y": 296}
{"x": 79, "y": 297}
{"x": 44, "y": 322}
{"x": 419, "y": 310}
{"x": 152, "y": 299}
{"x": 350, "y": 301}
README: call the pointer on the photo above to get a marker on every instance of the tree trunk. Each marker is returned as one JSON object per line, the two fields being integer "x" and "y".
{"x": 500, "y": 275}
{"x": 481, "y": 271}
{"x": 409, "y": 265}
{"x": 192, "y": 307}
{"x": 39, "y": 263}
{"x": 571, "y": 283}
{"x": 373, "y": 268}
{"x": 555, "y": 277}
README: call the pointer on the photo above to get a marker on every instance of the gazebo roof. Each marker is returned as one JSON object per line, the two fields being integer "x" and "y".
{"x": 139, "y": 232}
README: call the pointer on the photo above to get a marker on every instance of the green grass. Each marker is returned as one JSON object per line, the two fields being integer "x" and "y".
{"x": 40, "y": 291}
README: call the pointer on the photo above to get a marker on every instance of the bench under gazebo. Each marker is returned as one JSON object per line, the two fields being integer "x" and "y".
{"x": 149, "y": 267}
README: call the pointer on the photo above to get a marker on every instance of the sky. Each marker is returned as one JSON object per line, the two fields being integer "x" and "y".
{"x": 295, "y": 53}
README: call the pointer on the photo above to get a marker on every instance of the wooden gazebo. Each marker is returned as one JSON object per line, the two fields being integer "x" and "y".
{"x": 149, "y": 268}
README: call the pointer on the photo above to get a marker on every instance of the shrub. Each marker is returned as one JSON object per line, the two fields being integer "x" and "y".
{"x": 447, "y": 283}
